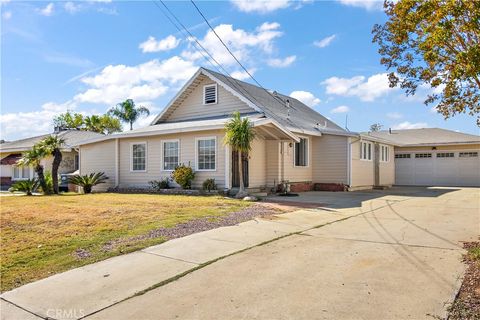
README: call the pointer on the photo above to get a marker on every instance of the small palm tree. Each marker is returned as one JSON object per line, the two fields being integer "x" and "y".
{"x": 33, "y": 157}
{"x": 88, "y": 181}
{"x": 52, "y": 145}
{"x": 239, "y": 136}
{"x": 28, "y": 186}
{"x": 128, "y": 112}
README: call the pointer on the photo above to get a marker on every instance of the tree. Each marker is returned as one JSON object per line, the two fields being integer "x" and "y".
{"x": 434, "y": 45}
{"x": 88, "y": 181}
{"x": 239, "y": 136}
{"x": 105, "y": 123}
{"x": 376, "y": 127}
{"x": 33, "y": 157}
{"x": 69, "y": 120}
{"x": 51, "y": 146}
{"x": 127, "y": 112}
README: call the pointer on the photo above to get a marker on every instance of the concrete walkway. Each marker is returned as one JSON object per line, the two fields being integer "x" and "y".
{"x": 369, "y": 255}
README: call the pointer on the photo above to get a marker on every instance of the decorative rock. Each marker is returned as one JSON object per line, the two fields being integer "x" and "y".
{"x": 250, "y": 198}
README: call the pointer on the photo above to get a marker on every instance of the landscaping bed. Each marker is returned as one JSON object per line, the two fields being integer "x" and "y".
{"x": 44, "y": 235}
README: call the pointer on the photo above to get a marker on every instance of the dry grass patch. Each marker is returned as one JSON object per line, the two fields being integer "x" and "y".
{"x": 43, "y": 235}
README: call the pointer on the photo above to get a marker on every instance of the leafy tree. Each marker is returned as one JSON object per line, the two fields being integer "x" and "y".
{"x": 376, "y": 127}
{"x": 434, "y": 44}
{"x": 33, "y": 157}
{"x": 239, "y": 136}
{"x": 105, "y": 123}
{"x": 88, "y": 181}
{"x": 127, "y": 112}
{"x": 52, "y": 145}
{"x": 69, "y": 120}
{"x": 28, "y": 186}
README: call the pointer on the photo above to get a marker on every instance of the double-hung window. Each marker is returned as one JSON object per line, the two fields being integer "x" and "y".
{"x": 139, "y": 157}
{"x": 206, "y": 154}
{"x": 301, "y": 153}
{"x": 366, "y": 151}
{"x": 384, "y": 153}
{"x": 171, "y": 152}
{"x": 21, "y": 173}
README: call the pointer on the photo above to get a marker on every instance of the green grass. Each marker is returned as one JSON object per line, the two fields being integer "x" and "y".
{"x": 41, "y": 234}
{"x": 474, "y": 253}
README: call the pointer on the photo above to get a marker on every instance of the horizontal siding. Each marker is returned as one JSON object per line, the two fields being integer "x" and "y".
{"x": 387, "y": 169}
{"x": 296, "y": 174}
{"x": 193, "y": 107}
{"x": 362, "y": 170}
{"x": 272, "y": 149}
{"x": 257, "y": 164}
{"x": 330, "y": 159}
{"x": 99, "y": 157}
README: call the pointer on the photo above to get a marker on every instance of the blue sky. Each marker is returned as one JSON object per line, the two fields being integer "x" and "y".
{"x": 86, "y": 56}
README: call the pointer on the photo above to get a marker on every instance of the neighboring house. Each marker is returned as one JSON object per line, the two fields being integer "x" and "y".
{"x": 293, "y": 143}
{"x": 11, "y": 151}
{"x": 433, "y": 156}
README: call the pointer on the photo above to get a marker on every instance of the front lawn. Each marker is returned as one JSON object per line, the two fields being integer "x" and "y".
{"x": 43, "y": 235}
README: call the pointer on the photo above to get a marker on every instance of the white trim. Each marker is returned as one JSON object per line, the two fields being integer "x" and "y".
{"x": 196, "y": 153}
{"x": 216, "y": 94}
{"x": 162, "y": 147}
{"x": 22, "y": 178}
{"x": 227, "y": 167}
{"x": 308, "y": 152}
{"x": 372, "y": 151}
{"x": 385, "y": 158}
{"x": 131, "y": 156}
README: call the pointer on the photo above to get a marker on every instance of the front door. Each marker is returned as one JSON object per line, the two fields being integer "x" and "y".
{"x": 235, "y": 177}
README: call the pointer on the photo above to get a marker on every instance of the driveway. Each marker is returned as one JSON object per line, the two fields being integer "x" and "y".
{"x": 392, "y": 254}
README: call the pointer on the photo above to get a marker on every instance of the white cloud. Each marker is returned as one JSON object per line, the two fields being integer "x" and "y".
{"x": 260, "y": 6}
{"x": 409, "y": 125}
{"x": 7, "y": 15}
{"x": 48, "y": 10}
{"x": 306, "y": 97}
{"x": 71, "y": 7}
{"x": 153, "y": 45}
{"x": 281, "y": 63}
{"x": 394, "y": 115}
{"x": 369, "y": 89}
{"x": 325, "y": 42}
{"x": 365, "y": 4}
{"x": 340, "y": 109}
{"x": 242, "y": 75}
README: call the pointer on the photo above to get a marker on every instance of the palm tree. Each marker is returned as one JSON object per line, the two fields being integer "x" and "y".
{"x": 33, "y": 157}
{"x": 128, "y": 112}
{"x": 88, "y": 181}
{"x": 52, "y": 145}
{"x": 239, "y": 136}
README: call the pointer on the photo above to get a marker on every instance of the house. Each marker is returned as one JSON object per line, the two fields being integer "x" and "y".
{"x": 11, "y": 151}
{"x": 294, "y": 143}
{"x": 433, "y": 156}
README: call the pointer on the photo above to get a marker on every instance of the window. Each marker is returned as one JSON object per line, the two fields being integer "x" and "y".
{"x": 366, "y": 151}
{"x": 402, "y": 156}
{"x": 206, "y": 154}
{"x": 301, "y": 153}
{"x": 468, "y": 154}
{"x": 139, "y": 156}
{"x": 445, "y": 155}
{"x": 21, "y": 173}
{"x": 210, "y": 94}
{"x": 423, "y": 155}
{"x": 77, "y": 162}
{"x": 170, "y": 155}
{"x": 384, "y": 153}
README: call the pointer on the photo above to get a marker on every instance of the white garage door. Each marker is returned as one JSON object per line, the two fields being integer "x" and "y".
{"x": 437, "y": 168}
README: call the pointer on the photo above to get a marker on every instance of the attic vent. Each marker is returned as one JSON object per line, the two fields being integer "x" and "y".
{"x": 210, "y": 94}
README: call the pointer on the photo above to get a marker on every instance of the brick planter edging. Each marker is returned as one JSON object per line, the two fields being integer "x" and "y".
{"x": 189, "y": 192}
{"x": 330, "y": 187}
{"x": 301, "y": 186}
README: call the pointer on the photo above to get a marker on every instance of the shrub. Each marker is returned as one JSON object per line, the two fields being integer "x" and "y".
{"x": 28, "y": 186}
{"x": 48, "y": 182}
{"x": 209, "y": 185}
{"x": 88, "y": 181}
{"x": 183, "y": 175}
{"x": 158, "y": 185}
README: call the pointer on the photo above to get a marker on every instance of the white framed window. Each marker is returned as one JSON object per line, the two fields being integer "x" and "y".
{"x": 384, "y": 153}
{"x": 423, "y": 155}
{"x": 170, "y": 154}
{"x": 300, "y": 153}
{"x": 206, "y": 154}
{"x": 22, "y": 173}
{"x": 138, "y": 157}
{"x": 468, "y": 154}
{"x": 366, "y": 151}
{"x": 445, "y": 155}
{"x": 210, "y": 94}
{"x": 403, "y": 156}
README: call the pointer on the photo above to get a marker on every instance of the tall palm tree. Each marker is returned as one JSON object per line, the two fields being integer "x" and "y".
{"x": 239, "y": 136}
{"x": 33, "y": 157}
{"x": 126, "y": 111}
{"x": 52, "y": 145}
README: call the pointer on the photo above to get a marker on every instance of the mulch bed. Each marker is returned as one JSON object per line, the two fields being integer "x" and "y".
{"x": 467, "y": 303}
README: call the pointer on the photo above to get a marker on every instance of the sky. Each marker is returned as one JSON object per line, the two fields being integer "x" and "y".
{"x": 87, "y": 56}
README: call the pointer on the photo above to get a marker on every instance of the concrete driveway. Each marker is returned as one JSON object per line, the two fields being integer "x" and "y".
{"x": 392, "y": 254}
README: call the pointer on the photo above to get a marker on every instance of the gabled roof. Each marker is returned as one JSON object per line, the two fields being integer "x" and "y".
{"x": 426, "y": 137}
{"x": 297, "y": 118}
{"x": 71, "y": 137}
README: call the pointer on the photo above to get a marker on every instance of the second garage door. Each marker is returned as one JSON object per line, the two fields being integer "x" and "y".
{"x": 437, "y": 168}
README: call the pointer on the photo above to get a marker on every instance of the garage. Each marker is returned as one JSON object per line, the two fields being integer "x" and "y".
{"x": 434, "y": 157}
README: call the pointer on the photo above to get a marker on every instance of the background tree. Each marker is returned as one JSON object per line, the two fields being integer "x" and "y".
{"x": 105, "y": 123}
{"x": 51, "y": 146}
{"x": 434, "y": 44}
{"x": 127, "y": 112}
{"x": 69, "y": 120}
{"x": 33, "y": 157}
{"x": 239, "y": 136}
{"x": 376, "y": 127}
